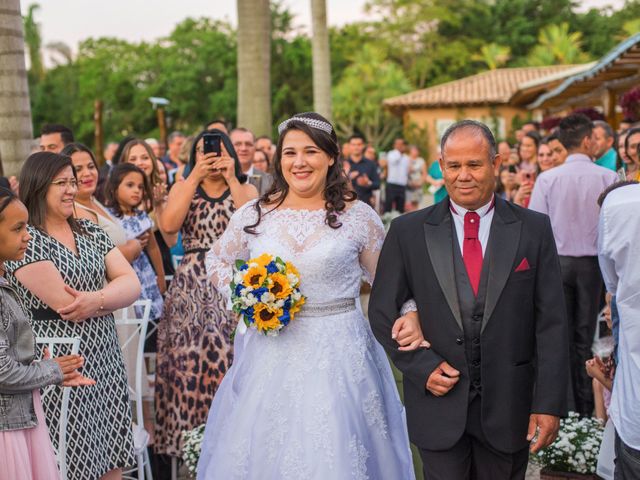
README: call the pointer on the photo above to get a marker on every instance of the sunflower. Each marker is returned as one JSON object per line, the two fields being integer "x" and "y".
{"x": 263, "y": 260}
{"x": 292, "y": 269}
{"x": 280, "y": 286}
{"x": 255, "y": 276}
{"x": 266, "y": 318}
{"x": 296, "y": 308}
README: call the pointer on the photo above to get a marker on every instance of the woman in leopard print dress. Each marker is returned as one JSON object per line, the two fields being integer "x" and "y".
{"x": 194, "y": 346}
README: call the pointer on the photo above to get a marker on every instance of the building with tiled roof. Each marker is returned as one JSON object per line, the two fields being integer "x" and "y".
{"x": 484, "y": 96}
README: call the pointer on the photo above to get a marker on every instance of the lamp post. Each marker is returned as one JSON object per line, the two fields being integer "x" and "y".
{"x": 158, "y": 105}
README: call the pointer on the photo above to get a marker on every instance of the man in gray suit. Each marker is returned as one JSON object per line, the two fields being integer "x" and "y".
{"x": 244, "y": 142}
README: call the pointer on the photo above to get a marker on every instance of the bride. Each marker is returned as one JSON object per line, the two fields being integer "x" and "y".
{"x": 318, "y": 401}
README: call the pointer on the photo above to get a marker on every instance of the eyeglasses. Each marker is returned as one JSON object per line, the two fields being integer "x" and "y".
{"x": 72, "y": 183}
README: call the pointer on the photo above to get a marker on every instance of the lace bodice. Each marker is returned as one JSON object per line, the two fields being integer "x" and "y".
{"x": 331, "y": 261}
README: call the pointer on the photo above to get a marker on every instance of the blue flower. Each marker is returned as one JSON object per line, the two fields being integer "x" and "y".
{"x": 248, "y": 314}
{"x": 272, "y": 267}
{"x": 239, "y": 289}
{"x": 244, "y": 267}
{"x": 259, "y": 291}
{"x": 285, "y": 318}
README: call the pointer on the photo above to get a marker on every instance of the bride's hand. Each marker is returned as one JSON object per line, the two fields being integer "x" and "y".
{"x": 407, "y": 332}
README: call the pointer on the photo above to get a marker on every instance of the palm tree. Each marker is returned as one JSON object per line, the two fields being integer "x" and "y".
{"x": 61, "y": 53}
{"x": 254, "y": 62}
{"x": 557, "y": 46}
{"x": 493, "y": 55}
{"x": 15, "y": 111}
{"x": 321, "y": 59}
{"x": 33, "y": 39}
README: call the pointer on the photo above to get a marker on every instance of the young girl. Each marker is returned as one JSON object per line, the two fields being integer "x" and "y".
{"x": 126, "y": 190}
{"x": 25, "y": 448}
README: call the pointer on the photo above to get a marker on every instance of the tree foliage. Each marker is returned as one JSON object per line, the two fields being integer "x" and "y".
{"x": 404, "y": 45}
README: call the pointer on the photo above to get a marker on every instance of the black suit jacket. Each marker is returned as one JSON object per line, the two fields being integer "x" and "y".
{"x": 524, "y": 337}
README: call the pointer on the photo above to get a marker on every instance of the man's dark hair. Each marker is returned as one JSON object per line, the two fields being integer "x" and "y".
{"x": 551, "y": 137}
{"x": 572, "y": 130}
{"x": 608, "y": 131}
{"x": 615, "y": 186}
{"x": 477, "y": 127}
{"x": 65, "y": 132}
{"x": 357, "y": 135}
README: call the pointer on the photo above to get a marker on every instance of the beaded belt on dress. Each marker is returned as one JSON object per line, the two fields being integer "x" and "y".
{"x": 335, "y": 307}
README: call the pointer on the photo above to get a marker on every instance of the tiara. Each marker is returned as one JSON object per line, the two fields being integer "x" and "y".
{"x": 312, "y": 122}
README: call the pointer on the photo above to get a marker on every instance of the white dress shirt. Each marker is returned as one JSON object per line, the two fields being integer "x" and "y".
{"x": 397, "y": 168}
{"x": 486, "y": 216}
{"x": 619, "y": 256}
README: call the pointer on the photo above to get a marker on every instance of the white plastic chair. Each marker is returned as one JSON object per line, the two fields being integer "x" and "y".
{"x": 132, "y": 333}
{"x": 52, "y": 343}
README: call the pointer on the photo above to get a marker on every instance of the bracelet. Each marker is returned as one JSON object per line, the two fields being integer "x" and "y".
{"x": 101, "y": 302}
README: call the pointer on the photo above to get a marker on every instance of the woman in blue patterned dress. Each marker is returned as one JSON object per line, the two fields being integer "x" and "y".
{"x": 61, "y": 285}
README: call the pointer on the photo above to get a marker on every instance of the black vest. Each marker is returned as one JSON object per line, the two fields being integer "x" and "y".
{"x": 471, "y": 311}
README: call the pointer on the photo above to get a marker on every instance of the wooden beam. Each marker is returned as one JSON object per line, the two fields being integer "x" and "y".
{"x": 609, "y": 107}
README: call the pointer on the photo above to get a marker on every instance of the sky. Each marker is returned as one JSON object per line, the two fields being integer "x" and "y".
{"x": 71, "y": 21}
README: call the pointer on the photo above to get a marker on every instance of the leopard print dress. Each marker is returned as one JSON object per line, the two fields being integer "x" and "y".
{"x": 194, "y": 333}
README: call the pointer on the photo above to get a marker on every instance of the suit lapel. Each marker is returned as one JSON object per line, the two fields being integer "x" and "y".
{"x": 438, "y": 234}
{"x": 502, "y": 247}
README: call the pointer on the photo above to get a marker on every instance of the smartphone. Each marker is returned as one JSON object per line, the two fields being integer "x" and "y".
{"x": 211, "y": 143}
{"x": 527, "y": 176}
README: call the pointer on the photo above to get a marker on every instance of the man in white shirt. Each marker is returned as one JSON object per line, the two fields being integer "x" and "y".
{"x": 619, "y": 256}
{"x": 397, "y": 177}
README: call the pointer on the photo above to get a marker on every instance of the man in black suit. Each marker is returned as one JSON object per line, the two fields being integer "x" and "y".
{"x": 486, "y": 280}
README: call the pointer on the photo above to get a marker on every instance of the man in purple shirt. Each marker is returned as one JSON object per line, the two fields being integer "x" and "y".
{"x": 569, "y": 194}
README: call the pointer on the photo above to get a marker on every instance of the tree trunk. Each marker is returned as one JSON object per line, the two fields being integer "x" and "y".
{"x": 321, "y": 59}
{"x": 254, "y": 62}
{"x": 16, "y": 132}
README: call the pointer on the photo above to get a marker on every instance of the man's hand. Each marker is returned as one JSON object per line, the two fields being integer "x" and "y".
{"x": 547, "y": 427}
{"x": 442, "y": 379}
{"x": 363, "y": 180}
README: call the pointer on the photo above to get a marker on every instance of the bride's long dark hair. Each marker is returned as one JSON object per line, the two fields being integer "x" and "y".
{"x": 337, "y": 191}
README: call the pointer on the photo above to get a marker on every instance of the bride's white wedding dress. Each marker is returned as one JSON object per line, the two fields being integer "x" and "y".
{"x": 319, "y": 400}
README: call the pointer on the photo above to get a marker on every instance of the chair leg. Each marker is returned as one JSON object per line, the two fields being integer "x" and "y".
{"x": 147, "y": 465}
{"x": 174, "y": 468}
{"x": 140, "y": 467}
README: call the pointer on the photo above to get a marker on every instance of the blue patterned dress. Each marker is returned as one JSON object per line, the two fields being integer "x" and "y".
{"x": 135, "y": 225}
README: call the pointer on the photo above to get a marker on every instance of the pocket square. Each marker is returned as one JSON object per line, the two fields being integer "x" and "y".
{"x": 524, "y": 265}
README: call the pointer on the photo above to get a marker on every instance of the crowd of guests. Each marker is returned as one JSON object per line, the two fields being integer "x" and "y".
{"x": 80, "y": 241}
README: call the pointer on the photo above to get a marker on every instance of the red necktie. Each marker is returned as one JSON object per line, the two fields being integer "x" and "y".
{"x": 472, "y": 249}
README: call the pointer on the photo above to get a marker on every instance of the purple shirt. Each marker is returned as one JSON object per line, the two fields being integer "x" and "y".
{"x": 569, "y": 194}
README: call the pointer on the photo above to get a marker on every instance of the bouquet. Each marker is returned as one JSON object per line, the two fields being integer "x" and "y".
{"x": 265, "y": 291}
{"x": 576, "y": 448}
{"x": 191, "y": 446}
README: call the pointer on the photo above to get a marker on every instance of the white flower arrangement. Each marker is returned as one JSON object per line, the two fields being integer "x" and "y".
{"x": 191, "y": 445}
{"x": 388, "y": 217}
{"x": 576, "y": 448}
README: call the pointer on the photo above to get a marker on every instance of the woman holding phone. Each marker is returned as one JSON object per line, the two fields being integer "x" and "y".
{"x": 194, "y": 345}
